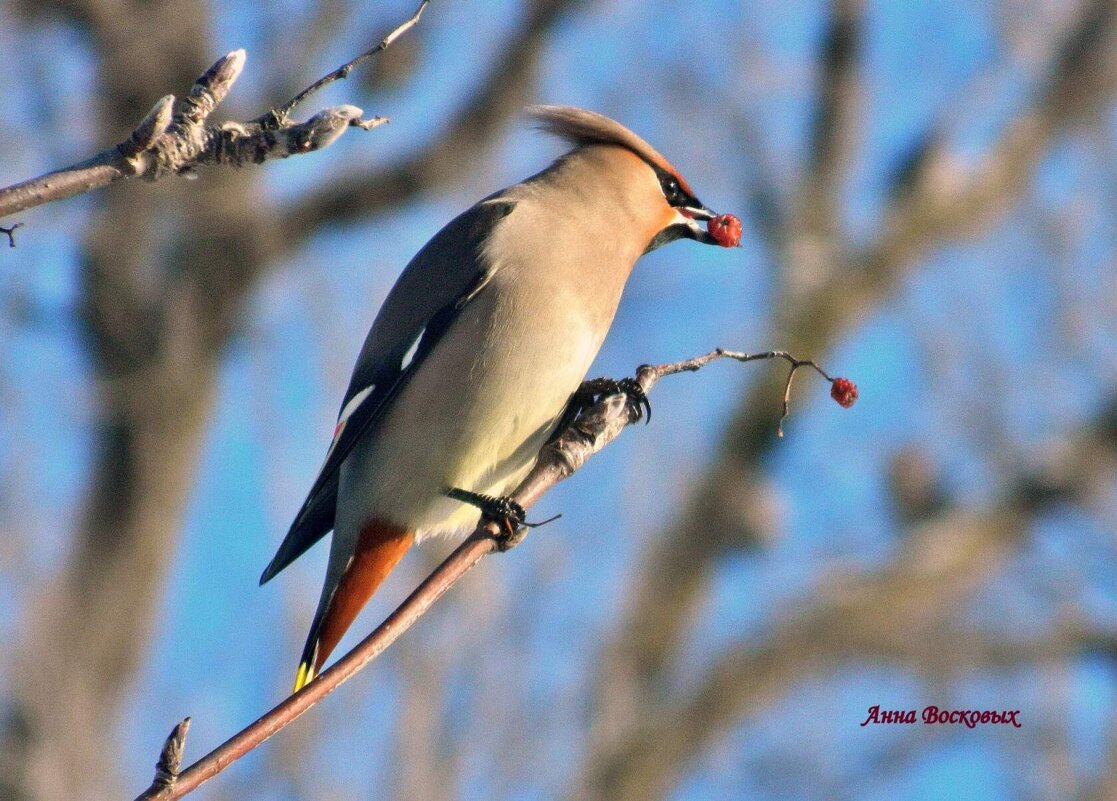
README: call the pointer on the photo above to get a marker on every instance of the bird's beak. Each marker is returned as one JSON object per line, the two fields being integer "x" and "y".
{"x": 691, "y": 216}
{"x": 688, "y": 224}
{"x": 698, "y": 213}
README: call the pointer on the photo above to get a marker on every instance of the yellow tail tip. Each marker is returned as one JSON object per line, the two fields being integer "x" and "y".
{"x": 303, "y": 677}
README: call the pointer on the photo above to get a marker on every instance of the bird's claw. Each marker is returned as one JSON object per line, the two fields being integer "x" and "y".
{"x": 510, "y": 517}
{"x": 635, "y": 398}
{"x": 509, "y": 538}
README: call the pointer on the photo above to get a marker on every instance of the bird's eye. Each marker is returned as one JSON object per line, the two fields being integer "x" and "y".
{"x": 671, "y": 190}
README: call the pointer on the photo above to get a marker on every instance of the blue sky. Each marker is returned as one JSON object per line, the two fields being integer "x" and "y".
{"x": 976, "y": 315}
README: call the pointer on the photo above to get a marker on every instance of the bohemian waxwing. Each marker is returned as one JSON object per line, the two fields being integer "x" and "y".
{"x": 476, "y": 353}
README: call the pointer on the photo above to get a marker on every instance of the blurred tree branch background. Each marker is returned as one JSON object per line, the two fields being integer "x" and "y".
{"x": 930, "y": 196}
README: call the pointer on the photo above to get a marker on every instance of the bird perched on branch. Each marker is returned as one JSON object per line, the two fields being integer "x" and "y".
{"x": 476, "y": 354}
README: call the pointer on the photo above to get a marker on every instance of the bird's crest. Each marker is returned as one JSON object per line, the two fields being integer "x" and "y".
{"x": 580, "y": 127}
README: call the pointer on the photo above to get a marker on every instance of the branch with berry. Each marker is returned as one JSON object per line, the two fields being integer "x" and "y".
{"x": 601, "y": 411}
{"x": 842, "y": 390}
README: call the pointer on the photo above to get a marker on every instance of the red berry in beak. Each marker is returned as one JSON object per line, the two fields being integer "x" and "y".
{"x": 844, "y": 392}
{"x": 726, "y": 229}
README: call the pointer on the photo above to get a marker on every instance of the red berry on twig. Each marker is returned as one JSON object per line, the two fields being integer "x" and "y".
{"x": 844, "y": 392}
{"x": 726, "y": 229}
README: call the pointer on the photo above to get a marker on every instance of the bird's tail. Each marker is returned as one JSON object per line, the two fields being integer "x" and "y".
{"x": 379, "y": 548}
{"x": 305, "y": 674}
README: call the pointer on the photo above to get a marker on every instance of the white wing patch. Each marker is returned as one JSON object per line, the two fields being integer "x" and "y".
{"x": 405, "y": 362}
{"x": 343, "y": 418}
{"x": 354, "y": 402}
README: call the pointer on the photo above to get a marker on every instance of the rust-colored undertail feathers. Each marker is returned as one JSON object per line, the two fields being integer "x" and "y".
{"x": 380, "y": 547}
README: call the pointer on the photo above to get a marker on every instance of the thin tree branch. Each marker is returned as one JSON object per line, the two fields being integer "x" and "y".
{"x": 278, "y": 116}
{"x": 468, "y": 133}
{"x": 937, "y": 204}
{"x": 481, "y": 543}
{"x": 591, "y": 431}
{"x": 174, "y": 144}
{"x": 157, "y": 310}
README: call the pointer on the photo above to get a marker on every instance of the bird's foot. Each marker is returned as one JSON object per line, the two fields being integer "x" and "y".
{"x": 509, "y": 516}
{"x": 636, "y": 399}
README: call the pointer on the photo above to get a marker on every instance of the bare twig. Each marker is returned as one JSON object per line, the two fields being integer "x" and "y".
{"x": 472, "y": 129}
{"x": 468, "y": 554}
{"x": 278, "y": 116}
{"x": 170, "y": 758}
{"x": 10, "y": 232}
{"x": 591, "y": 431}
{"x": 691, "y": 365}
{"x": 175, "y": 144}
{"x": 162, "y": 142}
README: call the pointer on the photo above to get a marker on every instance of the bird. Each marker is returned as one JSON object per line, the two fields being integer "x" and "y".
{"x": 476, "y": 354}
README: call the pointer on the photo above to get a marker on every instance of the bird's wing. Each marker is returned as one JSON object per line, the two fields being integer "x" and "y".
{"x": 435, "y": 286}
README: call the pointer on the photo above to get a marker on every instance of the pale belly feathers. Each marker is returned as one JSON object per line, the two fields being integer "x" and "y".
{"x": 476, "y": 412}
